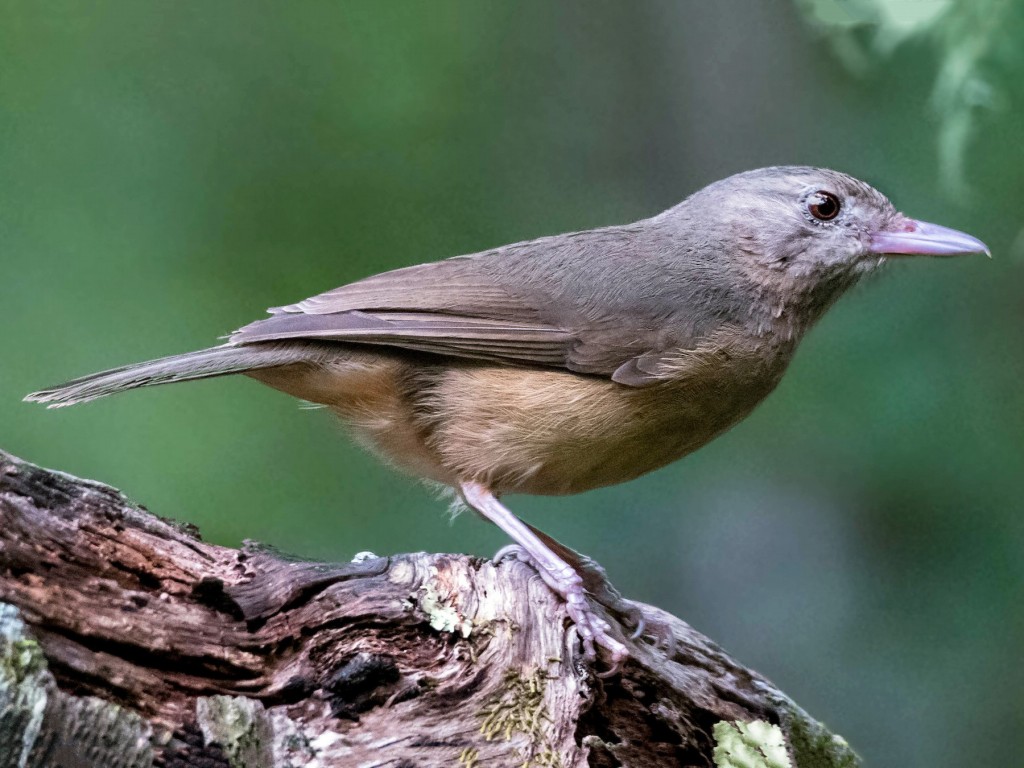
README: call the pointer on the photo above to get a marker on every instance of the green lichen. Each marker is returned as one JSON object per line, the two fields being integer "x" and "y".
{"x": 814, "y": 745}
{"x": 750, "y": 745}
{"x": 23, "y": 687}
{"x": 239, "y": 726}
{"x": 519, "y": 710}
{"x": 42, "y": 726}
{"x": 24, "y": 658}
{"x": 442, "y": 616}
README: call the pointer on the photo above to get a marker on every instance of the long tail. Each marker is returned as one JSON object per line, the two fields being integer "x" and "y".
{"x": 203, "y": 364}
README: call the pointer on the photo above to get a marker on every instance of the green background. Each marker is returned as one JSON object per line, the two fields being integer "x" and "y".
{"x": 170, "y": 169}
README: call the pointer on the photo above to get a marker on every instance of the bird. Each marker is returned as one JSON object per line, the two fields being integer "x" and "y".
{"x": 557, "y": 365}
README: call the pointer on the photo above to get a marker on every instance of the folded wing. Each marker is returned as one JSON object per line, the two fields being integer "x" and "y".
{"x": 556, "y": 302}
{"x": 450, "y": 307}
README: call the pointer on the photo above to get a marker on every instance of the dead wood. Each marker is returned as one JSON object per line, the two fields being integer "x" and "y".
{"x": 125, "y": 640}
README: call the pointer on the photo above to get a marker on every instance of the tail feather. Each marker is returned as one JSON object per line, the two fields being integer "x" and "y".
{"x": 203, "y": 364}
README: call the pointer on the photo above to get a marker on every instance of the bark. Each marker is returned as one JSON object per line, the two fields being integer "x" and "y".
{"x": 125, "y": 640}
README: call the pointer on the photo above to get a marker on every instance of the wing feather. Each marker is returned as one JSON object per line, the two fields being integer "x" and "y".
{"x": 450, "y": 307}
{"x": 558, "y": 301}
{"x": 456, "y": 286}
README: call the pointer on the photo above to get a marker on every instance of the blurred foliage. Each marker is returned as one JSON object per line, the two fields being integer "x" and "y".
{"x": 979, "y": 50}
{"x": 169, "y": 169}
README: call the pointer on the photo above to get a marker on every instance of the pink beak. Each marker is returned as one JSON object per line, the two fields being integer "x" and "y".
{"x": 919, "y": 238}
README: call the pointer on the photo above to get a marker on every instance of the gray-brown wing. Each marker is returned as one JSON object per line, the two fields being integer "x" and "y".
{"x": 456, "y": 286}
{"x": 442, "y": 334}
{"x": 450, "y": 307}
{"x": 559, "y": 301}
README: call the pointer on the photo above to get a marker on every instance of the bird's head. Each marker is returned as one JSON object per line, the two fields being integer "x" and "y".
{"x": 811, "y": 232}
{"x": 807, "y": 221}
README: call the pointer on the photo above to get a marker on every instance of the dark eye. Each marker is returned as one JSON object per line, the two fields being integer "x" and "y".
{"x": 823, "y": 205}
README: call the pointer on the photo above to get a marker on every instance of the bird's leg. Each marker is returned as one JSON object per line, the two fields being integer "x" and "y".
{"x": 600, "y": 588}
{"x": 561, "y": 577}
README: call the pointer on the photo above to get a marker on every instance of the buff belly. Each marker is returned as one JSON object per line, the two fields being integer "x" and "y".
{"x": 519, "y": 430}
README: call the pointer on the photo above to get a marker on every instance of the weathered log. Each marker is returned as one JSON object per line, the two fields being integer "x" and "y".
{"x": 125, "y": 640}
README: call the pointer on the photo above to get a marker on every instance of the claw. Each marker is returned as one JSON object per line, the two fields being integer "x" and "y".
{"x": 510, "y": 550}
{"x": 612, "y": 671}
{"x": 641, "y": 624}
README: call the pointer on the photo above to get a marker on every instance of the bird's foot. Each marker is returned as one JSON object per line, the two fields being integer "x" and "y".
{"x": 596, "y": 585}
{"x": 627, "y": 612}
{"x": 593, "y": 629}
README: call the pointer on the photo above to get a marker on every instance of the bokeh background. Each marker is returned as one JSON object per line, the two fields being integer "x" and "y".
{"x": 168, "y": 170}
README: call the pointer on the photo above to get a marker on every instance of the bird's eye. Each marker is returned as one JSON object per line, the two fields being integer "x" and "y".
{"x": 823, "y": 206}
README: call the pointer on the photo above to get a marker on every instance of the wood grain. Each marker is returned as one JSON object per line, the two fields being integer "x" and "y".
{"x": 149, "y": 647}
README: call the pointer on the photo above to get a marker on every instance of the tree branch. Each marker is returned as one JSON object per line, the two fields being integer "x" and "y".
{"x": 125, "y": 640}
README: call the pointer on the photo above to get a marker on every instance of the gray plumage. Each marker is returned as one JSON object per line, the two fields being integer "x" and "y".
{"x": 202, "y": 364}
{"x": 609, "y": 302}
